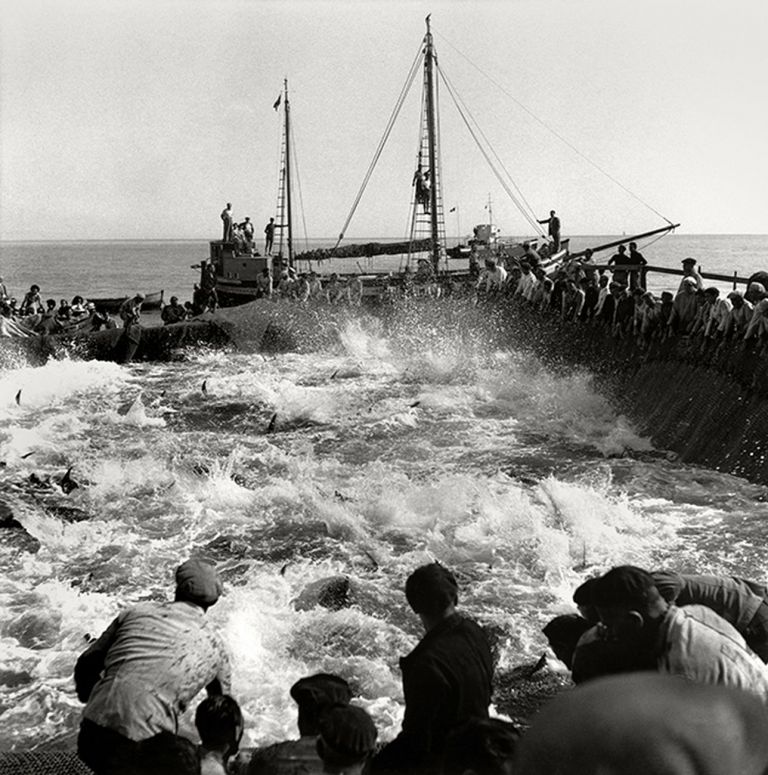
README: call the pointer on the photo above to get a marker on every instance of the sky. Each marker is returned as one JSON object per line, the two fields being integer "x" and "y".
{"x": 141, "y": 119}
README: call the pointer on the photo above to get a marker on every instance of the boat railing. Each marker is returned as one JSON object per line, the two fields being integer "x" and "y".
{"x": 725, "y": 278}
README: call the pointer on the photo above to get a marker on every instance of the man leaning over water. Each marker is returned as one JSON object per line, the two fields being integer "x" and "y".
{"x": 691, "y": 641}
{"x": 139, "y": 676}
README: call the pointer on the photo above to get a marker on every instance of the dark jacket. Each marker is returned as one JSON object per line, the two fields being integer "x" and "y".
{"x": 446, "y": 681}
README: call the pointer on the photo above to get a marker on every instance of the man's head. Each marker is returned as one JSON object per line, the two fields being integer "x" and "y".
{"x": 481, "y": 747}
{"x": 689, "y": 285}
{"x": 689, "y": 264}
{"x": 347, "y": 737}
{"x": 35, "y": 289}
{"x": 219, "y": 723}
{"x": 139, "y": 297}
{"x": 627, "y": 601}
{"x": 315, "y": 693}
{"x": 563, "y": 633}
{"x": 622, "y": 248}
{"x": 551, "y": 213}
{"x": 666, "y": 296}
{"x": 633, "y": 246}
{"x": 711, "y": 294}
{"x": 197, "y": 582}
{"x": 736, "y": 299}
{"x": 432, "y": 592}
{"x": 582, "y": 596}
{"x": 229, "y": 205}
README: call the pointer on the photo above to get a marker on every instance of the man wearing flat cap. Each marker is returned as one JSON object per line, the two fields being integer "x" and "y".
{"x": 139, "y": 676}
{"x": 446, "y": 678}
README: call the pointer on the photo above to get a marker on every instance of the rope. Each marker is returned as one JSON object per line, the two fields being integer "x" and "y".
{"x": 466, "y": 116}
{"x": 557, "y": 134}
{"x": 387, "y": 131}
{"x": 298, "y": 188}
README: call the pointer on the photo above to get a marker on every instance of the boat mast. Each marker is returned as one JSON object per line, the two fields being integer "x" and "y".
{"x": 429, "y": 60}
{"x": 287, "y": 174}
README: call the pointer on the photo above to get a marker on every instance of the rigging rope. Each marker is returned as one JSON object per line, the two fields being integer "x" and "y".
{"x": 522, "y": 203}
{"x": 387, "y": 131}
{"x": 557, "y": 134}
{"x": 298, "y": 188}
{"x": 466, "y": 116}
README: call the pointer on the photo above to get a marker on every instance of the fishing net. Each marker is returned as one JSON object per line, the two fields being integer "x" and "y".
{"x": 42, "y": 763}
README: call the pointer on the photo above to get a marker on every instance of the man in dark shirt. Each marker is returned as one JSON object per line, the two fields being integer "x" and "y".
{"x": 636, "y": 258}
{"x": 553, "y": 228}
{"x": 446, "y": 678}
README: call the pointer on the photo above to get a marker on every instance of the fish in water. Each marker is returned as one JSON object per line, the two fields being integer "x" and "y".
{"x": 18, "y": 397}
{"x": 272, "y": 423}
{"x": 27, "y": 454}
{"x": 204, "y": 387}
{"x": 67, "y": 483}
{"x": 415, "y": 404}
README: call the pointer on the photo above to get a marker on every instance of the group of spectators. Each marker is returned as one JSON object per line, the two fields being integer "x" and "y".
{"x": 669, "y": 669}
{"x": 138, "y": 677}
{"x": 617, "y": 299}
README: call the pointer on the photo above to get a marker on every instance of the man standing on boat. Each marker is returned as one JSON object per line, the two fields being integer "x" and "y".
{"x": 553, "y": 229}
{"x": 226, "y": 217}
{"x": 269, "y": 231}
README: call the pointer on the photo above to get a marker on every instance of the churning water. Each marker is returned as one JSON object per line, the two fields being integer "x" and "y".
{"x": 401, "y": 439}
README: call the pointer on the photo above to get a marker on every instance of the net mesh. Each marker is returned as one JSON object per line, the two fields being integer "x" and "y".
{"x": 42, "y": 763}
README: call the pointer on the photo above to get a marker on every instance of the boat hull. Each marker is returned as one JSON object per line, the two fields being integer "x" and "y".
{"x": 151, "y": 301}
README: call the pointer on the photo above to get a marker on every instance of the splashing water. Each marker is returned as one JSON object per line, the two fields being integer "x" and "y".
{"x": 402, "y": 439}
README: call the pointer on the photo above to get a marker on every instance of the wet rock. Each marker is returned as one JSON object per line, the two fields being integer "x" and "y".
{"x": 333, "y": 593}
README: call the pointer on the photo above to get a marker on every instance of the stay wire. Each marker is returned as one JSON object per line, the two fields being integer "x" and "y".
{"x": 520, "y": 201}
{"x": 387, "y": 131}
{"x": 557, "y": 134}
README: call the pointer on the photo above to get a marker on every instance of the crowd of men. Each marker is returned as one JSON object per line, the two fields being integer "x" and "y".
{"x": 617, "y": 299}
{"x": 669, "y": 670}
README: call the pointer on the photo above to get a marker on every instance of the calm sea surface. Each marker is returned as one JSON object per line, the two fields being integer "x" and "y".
{"x": 428, "y": 436}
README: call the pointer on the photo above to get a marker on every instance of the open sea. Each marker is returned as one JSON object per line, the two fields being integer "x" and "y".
{"x": 416, "y": 438}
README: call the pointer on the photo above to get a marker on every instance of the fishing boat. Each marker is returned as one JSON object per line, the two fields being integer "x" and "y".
{"x": 234, "y": 274}
{"x": 151, "y": 301}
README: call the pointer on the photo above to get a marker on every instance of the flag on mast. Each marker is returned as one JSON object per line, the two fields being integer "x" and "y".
{"x": 277, "y": 101}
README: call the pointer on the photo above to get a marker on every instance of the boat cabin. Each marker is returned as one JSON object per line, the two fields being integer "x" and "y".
{"x": 235, "y": 268}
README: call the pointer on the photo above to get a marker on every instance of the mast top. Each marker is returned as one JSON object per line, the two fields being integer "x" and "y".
{"x": 426, "y": 19}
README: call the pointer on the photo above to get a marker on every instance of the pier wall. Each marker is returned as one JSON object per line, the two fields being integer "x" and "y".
{"x": 705, "y": 400}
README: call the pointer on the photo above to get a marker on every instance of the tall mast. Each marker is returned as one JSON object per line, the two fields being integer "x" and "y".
{"x": 287, "y": 178}
{"x": 429, "y": 59}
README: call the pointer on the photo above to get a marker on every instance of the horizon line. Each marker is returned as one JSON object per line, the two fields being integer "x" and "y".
{"x": 333, "y": 239}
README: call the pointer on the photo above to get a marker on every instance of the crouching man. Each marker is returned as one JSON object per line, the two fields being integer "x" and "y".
{"x": 139, "y": 676}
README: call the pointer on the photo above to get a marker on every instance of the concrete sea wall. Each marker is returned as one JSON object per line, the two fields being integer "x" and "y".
{"x": 703, "y": 399}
